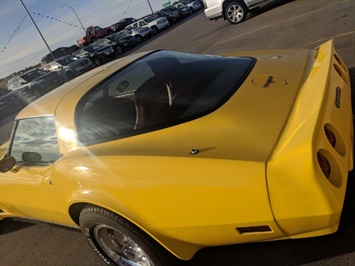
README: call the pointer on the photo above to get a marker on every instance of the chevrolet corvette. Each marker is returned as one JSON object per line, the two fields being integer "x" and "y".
{"x": 159, "y": 154}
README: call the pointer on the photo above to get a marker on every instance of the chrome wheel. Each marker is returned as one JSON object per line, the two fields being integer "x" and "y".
{"x": 236, "y": 12}
{"x": 120, "y": 248}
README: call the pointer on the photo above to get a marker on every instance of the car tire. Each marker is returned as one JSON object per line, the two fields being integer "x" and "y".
{"x": 154, "y": 30}
{"x": 119, "y": 242}
{"x": 37, "y": 93}
{"x": 96, "y": 61}
{"x": 236, "y": 12}
{"x": 69, "y": 75}
{"x": 118, "y": 49}
{"x": 138, "y": 39}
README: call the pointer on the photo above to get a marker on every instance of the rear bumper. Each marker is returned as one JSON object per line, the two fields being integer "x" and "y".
{"x": 214, "y": 13}
{"x": 304, "y": 201}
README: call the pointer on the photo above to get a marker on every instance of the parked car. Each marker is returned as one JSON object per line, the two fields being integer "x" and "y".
{"x": 35, "y": 83}
{"x": 10, "y": 103}
{"x": 141, "y": 33}
{"x": 194, "y": 5}
{"x": 93, "y": 33}
{"x": 122, "y": 24}
{"x": 97, "y": 53}
{"x": 154, "y": 22}
{"x": 69, "y": 66}
{"x": 234, "y": 11}
{"x": 171, "y": 13}
{"x": 59, "y": 52}
{"x": 163, "y": 153}
{"x": 122, "y": 40}
{"x": 185, "y": 11}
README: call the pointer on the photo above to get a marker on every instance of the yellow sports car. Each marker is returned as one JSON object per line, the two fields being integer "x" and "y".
{"x": 159, "y": 154}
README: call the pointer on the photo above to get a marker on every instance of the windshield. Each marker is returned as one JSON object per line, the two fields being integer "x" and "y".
{"x": 29, "y": 76}
{"x": 160, "y": 90}
{"x": 119, "y": 35}
{"x": 67, "y": 60}
{"x": 92, "y": 48}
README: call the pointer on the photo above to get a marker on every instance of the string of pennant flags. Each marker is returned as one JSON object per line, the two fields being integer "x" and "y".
{"x": 13, "y": 34}
{"x": 52, "y": 18}
{"x": 128, "y": 6}
{"x": 38, "y": 14}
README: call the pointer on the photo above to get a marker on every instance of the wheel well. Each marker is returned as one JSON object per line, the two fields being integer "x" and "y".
{"x": 75, "y": 210}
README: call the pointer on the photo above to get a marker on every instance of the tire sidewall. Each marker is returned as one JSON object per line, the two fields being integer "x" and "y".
{"x": 88, "y": 223}
{"x": 96, "y": 61}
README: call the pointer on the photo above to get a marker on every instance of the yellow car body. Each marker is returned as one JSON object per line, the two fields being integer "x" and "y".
{"x": 248, "y": 171}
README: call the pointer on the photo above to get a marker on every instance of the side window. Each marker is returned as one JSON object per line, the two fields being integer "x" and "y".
{"x": 35, "y": 141}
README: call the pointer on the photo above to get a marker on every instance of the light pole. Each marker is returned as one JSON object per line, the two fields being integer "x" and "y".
{"x": 150, "y": 7}
{"x": 40, "y": 33}
{"x": 77, "y": 17}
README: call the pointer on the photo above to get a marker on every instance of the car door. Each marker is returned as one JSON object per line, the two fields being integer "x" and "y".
{"x": 25, "y": 190}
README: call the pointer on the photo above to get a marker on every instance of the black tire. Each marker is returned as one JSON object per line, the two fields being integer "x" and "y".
{"x": 118, "y": 242}
{"x": 70, "y": 75}
{"x": 37, "y": 93}
{"x": 96, "y": 61}
{"x": 118, "y": 49}
{"x": 154, "y": 30}
{"x": 236, "y": 12}
{"x": 138, "y": 39}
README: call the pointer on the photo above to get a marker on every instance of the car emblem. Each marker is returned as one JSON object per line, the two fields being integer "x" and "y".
{"x": 337, "y": 97}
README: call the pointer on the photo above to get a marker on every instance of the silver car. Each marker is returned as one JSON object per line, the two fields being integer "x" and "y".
{"x": 70, "y": 66}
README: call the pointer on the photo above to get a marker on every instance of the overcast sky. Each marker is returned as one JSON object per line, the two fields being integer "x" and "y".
{"x": 20, "y": 43}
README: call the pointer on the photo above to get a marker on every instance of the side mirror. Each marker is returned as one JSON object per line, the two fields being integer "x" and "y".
{"x": 31, "y": 157}
{"x": 7, "y": 163}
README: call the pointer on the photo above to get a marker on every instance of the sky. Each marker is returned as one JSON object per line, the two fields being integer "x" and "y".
{"x": 22, "y": 46}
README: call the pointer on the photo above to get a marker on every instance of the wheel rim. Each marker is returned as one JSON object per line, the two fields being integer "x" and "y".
{"x": 119, "y": 50}
{"x": 235, "y": 13}
{"x": 97, "y": 61}
{"x": 120, "y": 248}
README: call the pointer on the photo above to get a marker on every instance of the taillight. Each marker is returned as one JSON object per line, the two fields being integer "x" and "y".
{"x": 324, "y": 164}
{"x": 330, "y": 136}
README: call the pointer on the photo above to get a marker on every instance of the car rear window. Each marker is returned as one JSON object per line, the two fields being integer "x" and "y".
{"x": 160, "y": 90}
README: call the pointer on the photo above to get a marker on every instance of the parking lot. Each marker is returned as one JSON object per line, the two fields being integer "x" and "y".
{"x": 279, "y": 25}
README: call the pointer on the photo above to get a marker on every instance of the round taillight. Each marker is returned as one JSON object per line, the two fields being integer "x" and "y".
{"x": 324, "y": 164}
{"x": 330, "y": 136}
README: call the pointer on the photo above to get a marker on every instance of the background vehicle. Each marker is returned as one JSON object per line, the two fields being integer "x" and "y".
{"x": 97, "y": 53}
{"x": 59, "y": 52}
{"x": 154, "y": 22}
{"x": 10, "y": 103}
{"x": 121, "y": 41}
{"x": 171, "y": 13}
{"x": 94, "y": 33}
{"x": 194, "y": 5}
{"x": 235, "y": 11}
{"x": 141, "y": 33}
{"x": 122, "y": 24}
{"x": 185, "y": 11}
{"x": 35, "y": 83}
{"x": 69, "y": 66}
